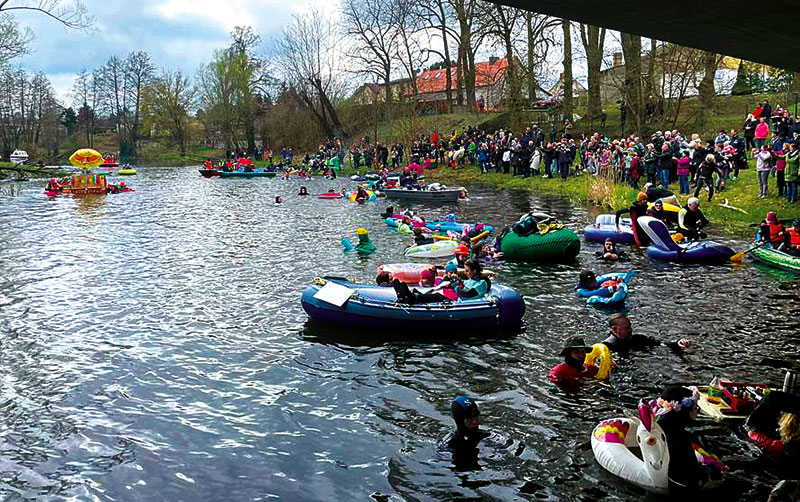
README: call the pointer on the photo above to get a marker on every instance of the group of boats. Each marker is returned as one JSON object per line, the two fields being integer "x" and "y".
{"x": 86, "y": 182}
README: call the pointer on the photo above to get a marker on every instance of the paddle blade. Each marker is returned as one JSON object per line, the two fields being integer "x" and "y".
{"x": 738, "y": 257}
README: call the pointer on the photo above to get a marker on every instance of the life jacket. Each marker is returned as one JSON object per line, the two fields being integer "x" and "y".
{"x": 794, "y": 235}
{"x": 775, "y": 230}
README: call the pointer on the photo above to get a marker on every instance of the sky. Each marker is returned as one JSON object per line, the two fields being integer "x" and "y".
{"x": 178, "y": 34}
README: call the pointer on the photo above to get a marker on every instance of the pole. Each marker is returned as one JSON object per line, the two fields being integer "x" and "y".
{"x": 795, "y": 104}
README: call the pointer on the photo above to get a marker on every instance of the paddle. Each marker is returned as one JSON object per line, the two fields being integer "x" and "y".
{"x": 740, "y": 255}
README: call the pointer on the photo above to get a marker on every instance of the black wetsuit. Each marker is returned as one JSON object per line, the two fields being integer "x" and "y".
{"x": 635, "y": 342}
{"x": 686, "y": 475}
{"x": 638, "y": 210}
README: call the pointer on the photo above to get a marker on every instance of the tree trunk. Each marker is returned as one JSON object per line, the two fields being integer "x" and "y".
{"x": 632, "y": 87}
{"x": 531, "y": 57}
{"x": 593, "y": 38}
{"x": 706, "y": 91}
{"x": 566, "y": 103}
{"x": 460, "y": 78}
{"x": 448, "y": 63}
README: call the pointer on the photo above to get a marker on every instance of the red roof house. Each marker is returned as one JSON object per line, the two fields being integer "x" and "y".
{"x": 489, "y": 79}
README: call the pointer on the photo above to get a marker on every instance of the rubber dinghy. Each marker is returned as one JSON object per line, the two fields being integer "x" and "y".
{"x": 438, "y": 225}
{"x": 560, "y": 246}
{"x": 604, "y": 227}
{"x": 617, "y": 299}
{"x": 778, "y": 259}
{"x": 664, "y": 248}
{"x": 337, "y": 301}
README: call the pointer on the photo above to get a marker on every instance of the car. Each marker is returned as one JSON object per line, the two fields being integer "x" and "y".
{"x": 547, "y": 103}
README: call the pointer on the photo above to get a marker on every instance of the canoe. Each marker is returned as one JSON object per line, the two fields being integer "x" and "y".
{"x": 208, "y": 173}
{"x": 376, "y": 307}
{"x": 446, "y": 195}
{"x": 778, "y": 259}
{"x": 555, "y": 246}
{"x": 664, "y": 248}
{"x": 618, "y": 298}
{"x": 247, "y": 174}
{"x": 604, "y": 227}
{"x": 441, "y": 249}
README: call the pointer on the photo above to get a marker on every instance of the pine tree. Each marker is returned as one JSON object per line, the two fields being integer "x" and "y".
{"x": 742, "y": 84}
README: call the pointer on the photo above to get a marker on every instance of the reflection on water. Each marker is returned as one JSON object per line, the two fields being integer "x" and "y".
{"x": 154, "y": 348}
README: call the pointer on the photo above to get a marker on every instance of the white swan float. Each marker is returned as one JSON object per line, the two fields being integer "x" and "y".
{"x": 613, "y": 439}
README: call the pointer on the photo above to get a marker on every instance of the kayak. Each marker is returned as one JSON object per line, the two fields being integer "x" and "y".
{"x": 376, "y": 307}
{"x": 440, "y": 249}
{"x": 560, "y": 245}
{"x": 208, "y": 173}
{"x": 777, "y": 259}
{"x": 604, "y": 227}
{"x": 330, "y": 195}
{"x": 664, "y": 248}
{"x": 615, "y": 300}
{"x": 127, "y": 171}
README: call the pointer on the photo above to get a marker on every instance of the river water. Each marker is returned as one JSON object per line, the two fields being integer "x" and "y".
{"x": 153, "y": 347}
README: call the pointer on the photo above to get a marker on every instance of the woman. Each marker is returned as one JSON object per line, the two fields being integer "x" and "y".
{"x": 749, "y": 132}
{"x": 676, "y": 409}
{"x": 303, "y": 191}
{"x": 475, "y": 286}
{"x": 792, "y": 173}
{"x": 763, "y": 168}
{"x": 572, "y": 371}
{"x": 775, "y": 426}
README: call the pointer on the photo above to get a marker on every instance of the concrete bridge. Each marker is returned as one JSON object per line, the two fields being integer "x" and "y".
{"x": 767, "y": 33}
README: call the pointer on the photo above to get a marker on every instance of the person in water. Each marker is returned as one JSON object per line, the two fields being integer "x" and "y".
{"x": 278, "y": 199}
{"x": 622, "y": 340}
{"x": 364, "y": 246}
{"x": 303, "y": 191}
{"x": 463, "y": 442}
{"x": 775, "y": 427}
{"x": 676, "y": 409}
{"x": 361, "y": 195}
{"x": 636, "y": 210}
{"x": 52, "y": 186}
{"x": 655, "y": 193}
{"x": 659, "y": 213}
{"x": 610, "y": 252}
{"x": 692, "y": 221}
{"x": 420, "y": 238}
{"x": 572, "y": 371}
{"x": 771, "y": 230}
{"x": 388, "y": 213}
{"x": 588, "y": 285}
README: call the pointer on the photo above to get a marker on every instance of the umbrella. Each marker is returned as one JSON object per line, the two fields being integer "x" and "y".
{"x": 86, "y": 158}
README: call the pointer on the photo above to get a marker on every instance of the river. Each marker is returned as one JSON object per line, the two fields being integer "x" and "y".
{"x": 153, "y": 347}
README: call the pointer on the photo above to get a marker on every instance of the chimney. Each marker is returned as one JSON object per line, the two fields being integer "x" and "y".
{"x": 493, "y": 59}
{"x": 617, "y": 59}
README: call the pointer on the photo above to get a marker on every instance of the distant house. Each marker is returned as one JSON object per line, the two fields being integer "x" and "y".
{"x": 671, "y": 76}
{"x": 557, "y": 91}
{"x": 372, "y": 93}
{"x": 489, "y": 82}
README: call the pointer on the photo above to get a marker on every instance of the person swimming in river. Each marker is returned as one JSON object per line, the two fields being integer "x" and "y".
{"x": 420, "y": 238}
{"x": 388, "y": 213}
{"x": 775, "y": 427}
{"x": 361, "y": 195}
{"x": 303, "y": 191}
{"x": 658, "y": 212}
{"x": 610, "y": 252}
{"x": 278, "y": 199}
{"x": 572, "y": 371}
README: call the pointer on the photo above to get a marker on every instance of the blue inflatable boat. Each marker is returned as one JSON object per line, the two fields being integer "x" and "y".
{"x": 441, "y": 226}
{"x": 664, "y": 248}
{"x": 376, "y": 307}
{"x": 605, "y": 228}
{"x": 615, "y": 300}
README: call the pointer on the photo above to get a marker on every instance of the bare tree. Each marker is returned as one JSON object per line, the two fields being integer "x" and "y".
{"x": 13, "y": 42}
{"x": 538, "y": 43}
{"x": 470, "y": 36}
{"x": 86, "y": 98}
{"x": 140, "y": 72}
{"x": 72, "y": 15}
{"x": 169, "y": 100}
{"x": 566, "y": 103}
{"x": 593, "y": 39}
{"x": 504, "y": 23}
{"x": 632, "y": 89}
{"x": 309, "y": 56}
{"x": 436, "y": 16}
{"x": 405, "y": 13}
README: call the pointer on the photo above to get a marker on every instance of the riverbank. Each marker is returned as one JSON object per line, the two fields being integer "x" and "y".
{"x": 8, "y": 170}
{"x": 734, "y": 218}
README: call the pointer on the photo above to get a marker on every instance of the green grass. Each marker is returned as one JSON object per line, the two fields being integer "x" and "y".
{"x": 584, "y": 190}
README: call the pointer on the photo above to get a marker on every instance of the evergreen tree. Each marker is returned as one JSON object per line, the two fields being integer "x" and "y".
{"x": 742, "y": 85}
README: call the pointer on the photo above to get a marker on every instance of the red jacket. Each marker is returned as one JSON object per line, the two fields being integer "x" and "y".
{"x": 563, "y": 373}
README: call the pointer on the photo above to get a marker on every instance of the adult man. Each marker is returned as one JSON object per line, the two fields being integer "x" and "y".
{"x": 738, "y": 145}
{"x": 622, "y": 340}
{"x": 691, "y": 220}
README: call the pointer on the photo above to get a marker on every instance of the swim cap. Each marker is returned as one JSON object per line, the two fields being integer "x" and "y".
{"x": 450, "y": 267}
{"x": 361, "y": 231}
{"x": 659, "y": 201}
{"x": 642, "y": 196}
{"x": 463, "y": 407}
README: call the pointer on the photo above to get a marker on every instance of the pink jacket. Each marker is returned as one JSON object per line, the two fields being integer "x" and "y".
{"x": 683, "y": 166}
{"x": 762, "y": 130}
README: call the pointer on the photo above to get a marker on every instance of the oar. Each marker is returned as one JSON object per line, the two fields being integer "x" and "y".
{"x": 740, "y": 255}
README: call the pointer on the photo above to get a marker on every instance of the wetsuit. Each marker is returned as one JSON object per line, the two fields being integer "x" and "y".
{"x": 686, "y": 474}
{"x": 691, "y": 223}
{"x": 635, "y": 211}
{"x": 635, "y": 342}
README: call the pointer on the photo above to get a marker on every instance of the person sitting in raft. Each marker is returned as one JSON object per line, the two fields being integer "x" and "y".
{"x": 691, "y": 220}
{"x": 588, "y": 287}
{"x": 383, "y": 279}
{"x": 658, "y": 213}
{"x": 655, "y": 193}
{"x": 444, "y": 292}
{"x": 303, "y": 191}
{"x": 676, "y": 409}
{"x": 771, "y": 231}
{"x": 791, "y": 240}
{"x": 52, "y": 186}
{"x": 610, "y": 252}
{"x": 361, "y": 195}
{"x": 486, "y": 253}
{"x": 622, "y": 340}
{"x": 475, "y": 286}
{"x": 636, "y": 210}
{"x": 775, "y": 427}
{"x": 572, "y": 371}
{"x": 364, "y": 246}
{"x": 421, "y": 238}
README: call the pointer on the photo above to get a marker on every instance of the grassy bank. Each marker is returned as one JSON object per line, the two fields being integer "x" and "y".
{"x": 590, "y": 191}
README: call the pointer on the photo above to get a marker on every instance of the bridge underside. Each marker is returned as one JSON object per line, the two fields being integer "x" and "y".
{"x": 767, "y": 33}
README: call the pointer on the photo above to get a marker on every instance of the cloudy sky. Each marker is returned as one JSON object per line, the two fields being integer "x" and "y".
{"x": 176, "y": 33}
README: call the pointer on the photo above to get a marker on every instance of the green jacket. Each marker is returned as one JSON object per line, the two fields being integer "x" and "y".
{"x": 792, "y": 172}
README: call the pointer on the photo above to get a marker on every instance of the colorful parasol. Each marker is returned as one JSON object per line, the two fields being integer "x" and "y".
{"x": 86, "y": 158}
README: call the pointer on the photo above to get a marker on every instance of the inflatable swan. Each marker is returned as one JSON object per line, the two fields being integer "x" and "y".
{"x": 613, "y": 439}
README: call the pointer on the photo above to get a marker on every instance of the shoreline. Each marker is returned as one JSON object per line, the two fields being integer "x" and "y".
{"x": 733, "y": 219}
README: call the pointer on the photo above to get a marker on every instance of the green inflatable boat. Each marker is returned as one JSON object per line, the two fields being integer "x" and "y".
{"x": 777, "y": 259}
{"x": 554, "y": 246}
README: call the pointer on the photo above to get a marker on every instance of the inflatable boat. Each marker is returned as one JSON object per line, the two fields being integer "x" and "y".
{"x": 604, "y": 227}
{"x": 617, "y": 299}
{"x": 440, "y": 249}
{"x": 664, "y": 248}
{"x": 555, "y": 246}
{"x": 438, "y": 225}
{"x": 337, "y": 301}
